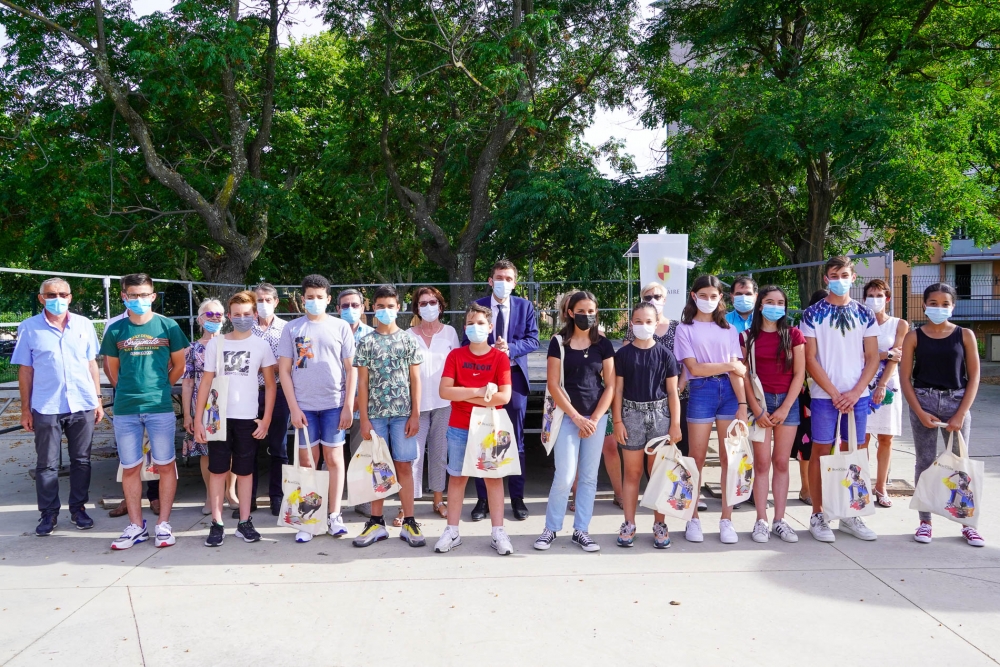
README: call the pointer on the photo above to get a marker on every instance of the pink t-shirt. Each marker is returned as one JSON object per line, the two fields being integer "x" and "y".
{"x": 706, "y": 343}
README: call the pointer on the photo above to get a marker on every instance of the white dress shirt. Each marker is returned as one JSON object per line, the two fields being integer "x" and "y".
{"x": 494, "y": 304}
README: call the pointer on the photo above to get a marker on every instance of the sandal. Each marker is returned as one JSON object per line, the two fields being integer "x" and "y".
{"x": 805, "y": 500}
{"x": 882, "y": 499}
{"x": 398, "y": 521}
{"x": 442, "y": 509}
{"x": 618, "y": 502}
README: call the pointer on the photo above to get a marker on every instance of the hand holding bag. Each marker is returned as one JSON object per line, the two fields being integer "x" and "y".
{"x": 674, "y": 481}
{"x": 214, "y": 416}
{"x": 952, "y": 486}
{"x": 304, "y": 506}
{"x": 845, "y": 477}
{"x": 490, "y": 450}
{"x": 552, "y": 414}
{"x": 371, "y": 475}
{"x": 756, "y": 430}
{"x": 739, "y": 468}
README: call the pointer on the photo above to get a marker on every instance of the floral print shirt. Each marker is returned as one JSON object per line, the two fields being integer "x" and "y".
{"x": 388, "y": 358}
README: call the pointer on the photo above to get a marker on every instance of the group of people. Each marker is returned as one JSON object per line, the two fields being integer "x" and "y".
{"x": 336, "y": 377}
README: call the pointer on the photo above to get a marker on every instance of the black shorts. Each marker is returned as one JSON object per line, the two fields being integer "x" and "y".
{"x": 236, "y": 453}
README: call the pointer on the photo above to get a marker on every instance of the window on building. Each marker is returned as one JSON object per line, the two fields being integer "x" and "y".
{"x": 963, "y": 280}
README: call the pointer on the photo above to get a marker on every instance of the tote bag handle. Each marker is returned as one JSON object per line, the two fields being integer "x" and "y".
{"x": 852, "y": 435}
{"x": 295, "y": 456}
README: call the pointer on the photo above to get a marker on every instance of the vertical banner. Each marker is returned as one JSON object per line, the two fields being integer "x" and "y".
{"x": 663, "y": 259}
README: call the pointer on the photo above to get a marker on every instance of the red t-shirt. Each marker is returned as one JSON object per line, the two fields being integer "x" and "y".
{"x": 770, "y": 367}
{"x": 469, "y": 370}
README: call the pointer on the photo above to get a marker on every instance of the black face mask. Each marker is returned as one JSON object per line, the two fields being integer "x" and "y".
{"x": 583, "y": 321}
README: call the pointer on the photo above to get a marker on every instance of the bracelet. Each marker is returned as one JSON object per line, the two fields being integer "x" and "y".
{"x": 741, "y": 403}
{"x": 618, "y": 422}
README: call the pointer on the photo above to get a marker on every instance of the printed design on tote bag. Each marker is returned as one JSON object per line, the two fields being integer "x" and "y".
{"x": 237, "y": 362}
{"x": 493, "y": 451}
{"x": 855, "y": 483}
{"x": 212, "y": 408}
{"x": 961, "y": 491}
{"x": 548, "y": 412}
{"x": 682, "y": 493}
{"x": 303, "y": 351}
{"x": 744, "y": 476}
{"x": 306, "y": 506}
{"x": 383, "y": 479}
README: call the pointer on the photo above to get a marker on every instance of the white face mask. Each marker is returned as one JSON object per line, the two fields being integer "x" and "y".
{"x": 264, "y": 309}
{"x": 706, "y": 305}
{"x": 643, "y": 331}
{"x": 430, "y": 313}
{"x": 876, "y": 303}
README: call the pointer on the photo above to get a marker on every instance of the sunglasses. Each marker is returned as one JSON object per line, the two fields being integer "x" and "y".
{"x": 344, "y": 306}
{"x": 210, "y": 315}
{"x": 55, "y": 295}
{"x": 424, "y": 304}
{"x": 653, "y": 297}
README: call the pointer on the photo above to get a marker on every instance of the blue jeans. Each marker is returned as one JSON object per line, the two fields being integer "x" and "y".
{"x": 324, "y": 428}
{"x": 159, "y": 426}
{"x": 711, "y": 398}
{"x": 393, "y": 431}
{"x": 575, "y": 454}
{"x": 824, "y": 420}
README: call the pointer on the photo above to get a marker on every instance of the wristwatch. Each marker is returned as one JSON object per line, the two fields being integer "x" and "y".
{"x": 888, "y": 355}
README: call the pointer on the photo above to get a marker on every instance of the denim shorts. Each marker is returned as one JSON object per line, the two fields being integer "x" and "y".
{"x": 393, "y": 430}
{"x": 159, "y": 426}
{"x": 324, "y": 428}
{"x": 456, "y": 437}
{"x": 711, "y": 398}
{"x": 824, "y": 420}
{"x": 643, "y": 422}
{"x": 774, "y": 401}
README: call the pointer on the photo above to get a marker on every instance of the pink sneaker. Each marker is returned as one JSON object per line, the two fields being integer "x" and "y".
{"x": 923, "y": 534}
{"x": 972, "y": 537}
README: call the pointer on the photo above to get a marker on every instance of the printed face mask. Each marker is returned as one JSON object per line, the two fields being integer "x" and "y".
{"x": 937, "y": 315}
{"x": 706, "y": 306}
{"x": 502, "y": 289}
{"x": 315, "y": 306}
{"x": 350, "y": 315}
{"x": 212, "y": 327}
{"x": 57, "y": 306}
{"x": 477, "y": 333}
{"x": 265, "y": 310}
{"x": 429, "y": 313}
{"x": 876, "y": 303}
{"x": 583, "y": 321}
{"x": 139, "y": 306}
{"x": 744, "y": 303}
{"x": 243, "y": 323}
{"x": 643, "y": 331}
{"x": 841, "y": 286}
{"x": 386, "y": 315}
{"x": 772, "y": 313}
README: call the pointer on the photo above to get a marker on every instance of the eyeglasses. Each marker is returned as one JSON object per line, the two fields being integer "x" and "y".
{"x": 344, "y": 306}
{"x": 144, "y": 295}
{"x": 210, "y": 315}
{"x": 424, "y": 304}
{"x": 653, "y": 297}
{"x": 54, "y": 295}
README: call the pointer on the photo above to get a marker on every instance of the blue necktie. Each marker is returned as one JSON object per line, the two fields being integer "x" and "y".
{"x": 499, "y": 330}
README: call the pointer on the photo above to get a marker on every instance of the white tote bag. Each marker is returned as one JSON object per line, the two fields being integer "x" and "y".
{"x": 739, "y": 465}
{"x": 673, "y": 481}
{"x": 304, "y": 506}
{"x": 490, "y": 450}
{"x": 756, "y": 431}
{"x": 214, "y": 416}
{"x": 552, "y": 414}
{"x": 845, "y": 477}
{"x": 147, "y": 469}
{"x": 952, "y": 486}
{"x": 371, "y": 475}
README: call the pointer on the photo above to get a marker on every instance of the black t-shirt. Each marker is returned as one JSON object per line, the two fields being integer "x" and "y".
{"x": 582, "y": 369}
{"x": 645, "y": 372}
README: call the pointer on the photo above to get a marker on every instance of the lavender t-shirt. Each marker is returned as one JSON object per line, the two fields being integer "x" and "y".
{"x": 706, "y": 343}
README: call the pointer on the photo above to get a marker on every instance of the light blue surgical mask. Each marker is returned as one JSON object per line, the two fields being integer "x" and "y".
{"x": 386, "y": 315}
{"x": 744, "y": 302}
{"x": 139, "y": 306}
{"x": 350, "y": 315}
{"x": 772, "y": 313}
{"x": 57, "y": 306}
{"x": 502, "y": 289}
{"x": 212, "y": 327}
{"x": 937, "y": 315}
{"x": 477, "y": 333}
{"x": 841, "y": 286}
{"x": 315, "y": 306}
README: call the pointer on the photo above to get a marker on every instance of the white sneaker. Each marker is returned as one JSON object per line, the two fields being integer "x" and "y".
{"x": 133, "y": 535}
{"x": 501, "y": 543}
{"x": 302, "y": 536}
{"x": 784, "y": 531}
{"x": 727, "y": 534}
{"x": 164, "y": 536}
{"x": 692, "y": 531}
{"x": 761, "y": 533}
{"x": 335, "y": 525}
{"x": 856, "y": 527}
{"x": 448, "y": 541}
{"x": 820, "y": 529}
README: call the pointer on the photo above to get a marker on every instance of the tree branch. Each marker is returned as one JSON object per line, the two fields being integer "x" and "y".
{"x": 51, "y": 25}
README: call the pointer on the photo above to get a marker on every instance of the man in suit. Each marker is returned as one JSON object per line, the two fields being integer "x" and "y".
{"x": 515, "y": 332}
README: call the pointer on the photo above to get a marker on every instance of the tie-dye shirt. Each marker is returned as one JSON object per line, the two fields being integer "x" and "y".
{"x": 839, "y": 332}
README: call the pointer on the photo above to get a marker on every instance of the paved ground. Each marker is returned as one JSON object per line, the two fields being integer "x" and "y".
{"x": 68, "y": 599}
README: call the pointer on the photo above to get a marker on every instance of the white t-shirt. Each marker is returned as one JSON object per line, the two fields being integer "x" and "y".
{"x": 434, "y": 356}
{"x": 840, "y": 332}
{"x": 242, "y": 360}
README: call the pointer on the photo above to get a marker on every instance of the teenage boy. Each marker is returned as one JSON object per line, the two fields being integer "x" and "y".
{"x": 268, "y": 327}
{"x": 145, "y": 358}
{"x": 244, "y": 356}
{"x": 315, "y": 357}
{"x": 515, "y": 333}
{"x": 351, "y": 306}
{"x": 474, "y": 375}
{"x": 842, "y": 358}
{"x": 744, "y": 296}
{"x": 60, "y": 390}
{"x": 389, "y": 403}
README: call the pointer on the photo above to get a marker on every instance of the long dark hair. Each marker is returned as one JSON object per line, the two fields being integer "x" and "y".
{"x": 691, "y": 308}
{"x": 569, "y": 326}
{"x": 757, "y": 323}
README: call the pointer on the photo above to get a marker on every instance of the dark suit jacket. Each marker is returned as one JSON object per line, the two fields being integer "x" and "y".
{"x": 522, "y": 330}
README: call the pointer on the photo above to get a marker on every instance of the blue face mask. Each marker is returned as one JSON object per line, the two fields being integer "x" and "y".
{"x": 744, "y": 303}
{"x": 841, "y": 286}
{"x": 386, "y": 315}
{"x": 477, "y": 333}
{"x": 937, "y": 315}
{"x": 502, "y": 289}
{"x": 315, "y": 306}
{"x": 139, "y": 306}
{"x": 350, "y": 315}
{"x": 57, "y": 306}
{"x": 212, "y": 327}
{"x": 772, "y": 313}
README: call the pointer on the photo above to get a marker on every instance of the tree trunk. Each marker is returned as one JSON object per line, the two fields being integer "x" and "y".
{"x": 823, "y": 193}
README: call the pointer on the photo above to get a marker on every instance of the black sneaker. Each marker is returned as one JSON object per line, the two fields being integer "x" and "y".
{"x": 47, "y": 523}
{"x": 81, "y": 519}
{"x": 216, "y": 534}
{"x": 246, "y": 530}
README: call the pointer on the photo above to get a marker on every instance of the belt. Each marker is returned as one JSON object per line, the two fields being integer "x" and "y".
{"x": 647, "y": 406}
{"x": 956, "y": 393}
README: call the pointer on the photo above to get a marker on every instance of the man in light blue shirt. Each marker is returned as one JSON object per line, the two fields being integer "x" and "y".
{"x": 744, "y": 296}
{"x": 60, "y": 390}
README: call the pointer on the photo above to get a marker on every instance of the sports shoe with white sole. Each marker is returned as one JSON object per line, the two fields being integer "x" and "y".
{"x": 761, "y": 533}
{"x": 302, "y": 537}
{"x": 335, "y": 525}
{"x": 784, "y": 531}
{"x": 246, "y": 531}
{"x": 164, "y": 536}
{"x": 585, "y": 542}
{"x": 728, "y": 534}
{"x": 626, "y": 535}
{"x": 856, "y": 527}
{"x": 820, "y": 529}
{"x": 133, "y": 535}
{"x": 972, "y": 537}
{"x": 373, "y": 532}
{"x": 692, "y": 531}
{"x": 449, "y": 540}
{"x": 661, "y": 536}
{"x": 501, "y": 543}
{"x": 545, "y": 540}
{"x": 410, "y": 533}
{"x": 923, "y": 534}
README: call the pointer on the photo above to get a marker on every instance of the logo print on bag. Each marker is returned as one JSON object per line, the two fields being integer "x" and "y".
{"x": 961, "y": 491}
{"x": 212, "y": 410}
{"x": 855, "y": 483}
{"x": 682, "y": 493}
{"x": 302, "y": 508}
{"x": 382, "y": 477}
{"x": 493, "y": 451}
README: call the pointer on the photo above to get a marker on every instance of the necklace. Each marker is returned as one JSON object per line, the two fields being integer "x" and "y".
{"x": 428, "y": 336}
